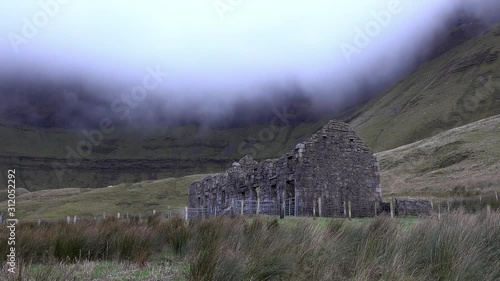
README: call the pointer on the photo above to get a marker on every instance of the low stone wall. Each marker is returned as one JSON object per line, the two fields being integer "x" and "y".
{"x": 407, "y": 207}
{"x": 412, "y": 207}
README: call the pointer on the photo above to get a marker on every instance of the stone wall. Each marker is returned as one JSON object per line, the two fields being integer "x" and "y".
{"x": 407, "y": 207}
{"x": 338, "y": 167}
{"x": 331, "y": 167}
{"x": 246, "y": 180}
{"x": 412, "y": 207}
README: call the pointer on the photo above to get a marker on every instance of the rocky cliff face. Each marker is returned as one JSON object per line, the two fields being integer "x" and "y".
{"x": 37, "y": 173}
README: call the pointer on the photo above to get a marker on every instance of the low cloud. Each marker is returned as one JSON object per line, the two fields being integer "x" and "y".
{"x": 66, "y": 62}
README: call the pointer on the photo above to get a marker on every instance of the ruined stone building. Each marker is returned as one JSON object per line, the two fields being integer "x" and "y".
{"x": 331, "y": 167}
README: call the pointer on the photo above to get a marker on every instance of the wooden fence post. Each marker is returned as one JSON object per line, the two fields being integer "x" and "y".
{"x": 283, "y": 205}
{"x": 448, "y": 205}
{"x": 314, "y": 208}
{"x": 496, "y": 195}
{"x": 439, "y": 210}
{"x": 38, "y": 222}
{"x": 74, "y": 219}
{"x": 488, "y": 209}
{"x": 242, "y": 204}
{"x": 375, "y": 207}
{"x": 169, "y": 211}
{"x": 154, "y": 212}
{"x": 349, "y": 207}
{"x": 345, "y": 209}
{"x": 232, "y": 207}
{"x": 392, "y": 207}
{"x": 319, "y": 207}
{"x": 118, "y": 215}
{"x": 296, "y": 206}
{"x": 68, "y": 220}
{"x": 258, "y": 206}
{"x": 186, "y": 216}
{"x": 104, "y": 215}
{"x": 480, "y": 199}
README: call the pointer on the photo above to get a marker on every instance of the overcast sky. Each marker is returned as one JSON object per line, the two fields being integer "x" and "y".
{"x": 255, "y": 40}
{"x": 223, "y": 49}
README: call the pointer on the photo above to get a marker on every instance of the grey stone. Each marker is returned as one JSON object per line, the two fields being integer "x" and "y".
{"x": 333, "y": 164}
{"x": 412, "y": 207}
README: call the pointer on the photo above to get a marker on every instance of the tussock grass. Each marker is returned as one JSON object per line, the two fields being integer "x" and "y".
{"x": 460, "y": 246}
{"x": 85, "y": 271}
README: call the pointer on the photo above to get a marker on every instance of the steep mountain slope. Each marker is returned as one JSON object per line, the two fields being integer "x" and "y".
{"x": 458, "y": 87}
{"x": 458, "y": 162}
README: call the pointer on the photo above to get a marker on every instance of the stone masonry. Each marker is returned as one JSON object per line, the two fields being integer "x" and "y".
{"x": 412, "y": 207}
{"x": 324, "y": 172}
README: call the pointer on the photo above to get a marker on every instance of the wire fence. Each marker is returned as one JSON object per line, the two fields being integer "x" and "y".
{"x": 469, "y": 205}
{"x": 303, "y": 208}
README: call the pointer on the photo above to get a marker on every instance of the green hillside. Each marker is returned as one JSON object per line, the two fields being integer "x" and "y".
{"x": 459, "y": 87}
{"x": 460, "y": 162}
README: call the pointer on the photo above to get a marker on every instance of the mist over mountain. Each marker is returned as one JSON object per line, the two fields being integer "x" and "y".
{"x": 88, "y": 61}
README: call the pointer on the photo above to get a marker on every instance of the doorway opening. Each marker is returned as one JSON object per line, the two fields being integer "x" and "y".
{"x": 290, "y": 198}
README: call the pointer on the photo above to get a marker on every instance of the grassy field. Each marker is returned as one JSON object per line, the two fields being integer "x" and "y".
{"x": 458, "y": 247}
{"x": 459, "y": 87}
{"x": 133, "y": 198}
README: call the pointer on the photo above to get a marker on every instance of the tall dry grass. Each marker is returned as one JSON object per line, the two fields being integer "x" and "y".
{"x": 460, "y": 246}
